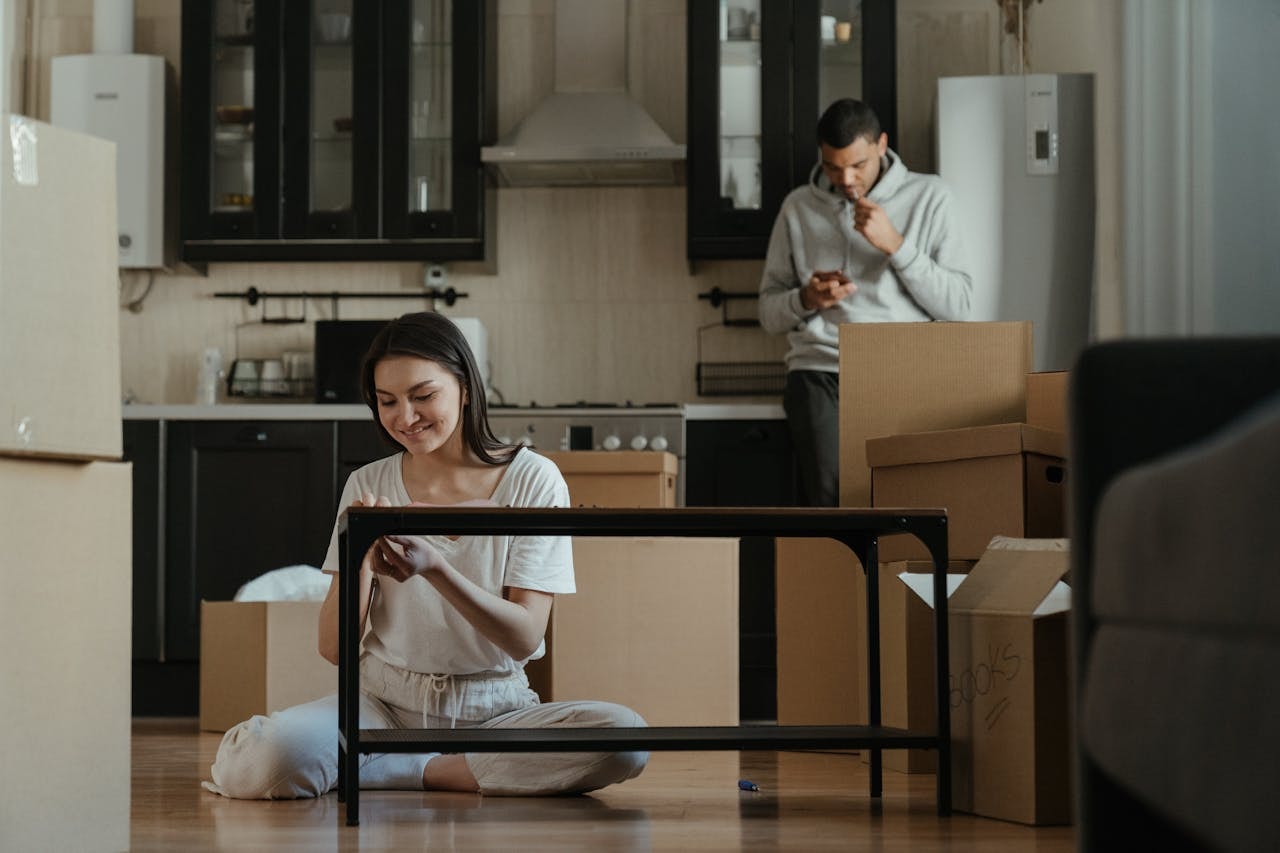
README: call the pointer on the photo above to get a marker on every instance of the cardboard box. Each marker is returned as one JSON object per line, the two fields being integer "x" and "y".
{"x": 821, "y": 633}
{"x": 257, "y": 657}
{"x": 653, "y": 626}
{"x": 1010, "y": 721}
{"x": 900, "y": 378}
{"x": 622, "y": 478}
{"x": 906, "y": 655}
{"x": 1006, "y": 479}
{"x": 1047, "y": 400}
{"x": 59, "y": 317}
{"x": 65, "y": 649}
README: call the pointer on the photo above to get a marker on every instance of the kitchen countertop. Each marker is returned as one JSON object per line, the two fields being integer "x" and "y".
{"x": 359, "y": 412}
{"x": 734, "y": 412}
{"x": 245, "y": 412}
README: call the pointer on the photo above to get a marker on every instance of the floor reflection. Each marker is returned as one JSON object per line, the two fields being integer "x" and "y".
{"x": 431, "y": 820}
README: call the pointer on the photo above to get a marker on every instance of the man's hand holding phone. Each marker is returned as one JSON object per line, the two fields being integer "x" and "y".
{"x": 825, "y": 288}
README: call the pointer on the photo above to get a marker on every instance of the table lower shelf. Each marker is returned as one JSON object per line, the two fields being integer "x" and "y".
{"x": 651, "y": 739}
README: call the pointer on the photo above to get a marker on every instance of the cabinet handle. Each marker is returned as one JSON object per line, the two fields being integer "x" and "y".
{"x": 251, "y": 434}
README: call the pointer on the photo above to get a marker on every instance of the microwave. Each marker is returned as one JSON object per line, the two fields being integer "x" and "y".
{"x": 340, "y": 346}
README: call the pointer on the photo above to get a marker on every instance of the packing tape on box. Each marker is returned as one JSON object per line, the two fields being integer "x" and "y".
{"x": 22, "y": 139}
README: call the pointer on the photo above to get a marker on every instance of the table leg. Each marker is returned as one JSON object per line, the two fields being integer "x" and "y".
{"x": 868, "y": 552}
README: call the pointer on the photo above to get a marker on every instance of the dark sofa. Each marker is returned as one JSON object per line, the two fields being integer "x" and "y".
{"x": 1175, "y": 525}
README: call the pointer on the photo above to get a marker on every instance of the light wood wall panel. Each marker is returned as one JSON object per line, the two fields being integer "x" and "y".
{"x": 938, "y": 38}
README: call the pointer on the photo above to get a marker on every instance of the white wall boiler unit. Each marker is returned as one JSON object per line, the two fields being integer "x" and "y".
{"x": 119, "y": 95}
{"x": 1017, "y": 152}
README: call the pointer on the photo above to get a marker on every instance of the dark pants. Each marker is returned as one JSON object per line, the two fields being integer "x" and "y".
{"x": 812, "y": 404}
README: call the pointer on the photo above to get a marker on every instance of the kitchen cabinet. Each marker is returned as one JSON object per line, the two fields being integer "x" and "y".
{"x": 747, "y": 463}
{"x": 359, "y": 443}
{"x": 335, "y": 130}
{"x": 760, "y": 74}
{"x": 243, "y": 498}
{"x": 216, "y": 504}
{"x": 142, "y": 449}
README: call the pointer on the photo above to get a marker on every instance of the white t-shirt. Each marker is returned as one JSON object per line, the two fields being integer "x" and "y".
{"x": 410, "y": 624}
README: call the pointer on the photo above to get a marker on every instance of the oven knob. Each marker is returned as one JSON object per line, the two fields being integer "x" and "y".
{"x": 639, "y": 442}
{"x": 611, "y": 442}
{"x": 659, "y": 442}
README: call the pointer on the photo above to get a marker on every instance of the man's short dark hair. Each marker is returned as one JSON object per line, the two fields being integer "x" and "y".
{"x": 846, "y": 120}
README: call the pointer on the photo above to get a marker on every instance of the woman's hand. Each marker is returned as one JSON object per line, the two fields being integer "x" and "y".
{"x": 402, "y": 557}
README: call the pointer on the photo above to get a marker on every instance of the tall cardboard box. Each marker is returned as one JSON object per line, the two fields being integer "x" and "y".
{"x": 1010, "y": 721}
{"x": 906, "y": 655}
{"x": 1047, "y": 399}
{"x": 822, "y": 633}
{"x": 59, "y": 317}
{"x": 257, "y": 657}
{"x": 653, "y": 626}
{"x": 1004, "y": 479}
{"x": 894, "y": 378}
{"x": 899, "y": 378}
{"x": 622, "y": 478}
{"x": 65, "y": 649}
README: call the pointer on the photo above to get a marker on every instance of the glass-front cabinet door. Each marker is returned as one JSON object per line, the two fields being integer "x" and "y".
{"x": 760, "y": 74}
{"x": 739, "y": 53}
{"x": 844, "y": 49}
{"x": 434, "y": 123}
{"x": 230, "y": 149}
{"x": 331, "y": 119}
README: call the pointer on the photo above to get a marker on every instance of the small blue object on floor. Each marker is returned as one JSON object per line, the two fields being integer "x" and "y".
{"x": 747, "y": 785}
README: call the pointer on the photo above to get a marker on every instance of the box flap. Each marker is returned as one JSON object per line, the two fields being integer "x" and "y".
{"x": 1047, "y": 399}
{"x": 921, "y": 584}
{"x": 966, "y": 443}
{"x": 1010, "y": 582}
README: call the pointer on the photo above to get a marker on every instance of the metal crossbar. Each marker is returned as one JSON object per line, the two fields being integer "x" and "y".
{"x": 859, "y": 529}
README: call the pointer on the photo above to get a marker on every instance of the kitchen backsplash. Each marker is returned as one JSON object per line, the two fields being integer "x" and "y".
{"x": 592, "y": 298}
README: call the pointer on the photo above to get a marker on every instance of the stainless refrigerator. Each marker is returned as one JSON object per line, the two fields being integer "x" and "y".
{"x": 1018, "y": 154}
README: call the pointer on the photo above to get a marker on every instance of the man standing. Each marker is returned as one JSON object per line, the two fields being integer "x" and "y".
{"x": 865, "y": 241}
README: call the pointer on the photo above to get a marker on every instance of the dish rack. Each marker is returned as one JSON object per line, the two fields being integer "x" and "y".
{"x": 735, "y": 378}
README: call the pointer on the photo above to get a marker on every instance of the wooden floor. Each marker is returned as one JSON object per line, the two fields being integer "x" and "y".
{"x": 684, "y": 801}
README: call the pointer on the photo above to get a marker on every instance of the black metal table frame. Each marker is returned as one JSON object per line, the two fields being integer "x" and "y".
{"x": 858, "y": 529}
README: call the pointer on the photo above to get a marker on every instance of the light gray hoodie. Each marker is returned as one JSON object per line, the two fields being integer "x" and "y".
{"x": 921, "y": 281}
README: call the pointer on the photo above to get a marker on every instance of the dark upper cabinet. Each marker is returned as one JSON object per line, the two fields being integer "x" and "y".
{"x": 335, "y": 129}
{"x": 760, "y": 74}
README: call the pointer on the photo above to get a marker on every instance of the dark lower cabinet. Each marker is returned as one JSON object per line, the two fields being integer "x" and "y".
{"x": 160, "y": 687}
{"x": 217, "y": 504}
{"x": 244, "y": 498}
{"x": 359, "y": 443}
{"x": 746, "y": 463}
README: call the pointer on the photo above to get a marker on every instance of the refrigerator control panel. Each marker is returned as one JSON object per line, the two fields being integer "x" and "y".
{"x": 1041, "y": 99}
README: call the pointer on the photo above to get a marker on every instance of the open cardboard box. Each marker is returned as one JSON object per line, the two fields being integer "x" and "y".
{"x": 1010, "y": 720}
{"x": 906, "y": 655}
{"x": 257, "y": 657}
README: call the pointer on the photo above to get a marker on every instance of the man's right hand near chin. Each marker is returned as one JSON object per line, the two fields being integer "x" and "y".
{"x": 824, "y": 289}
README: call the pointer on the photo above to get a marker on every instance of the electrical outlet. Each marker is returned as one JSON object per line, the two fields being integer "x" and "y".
{"x": 434, "y": 276}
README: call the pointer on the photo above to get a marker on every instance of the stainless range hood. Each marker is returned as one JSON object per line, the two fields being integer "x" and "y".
{"x": 590, "y": 131}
